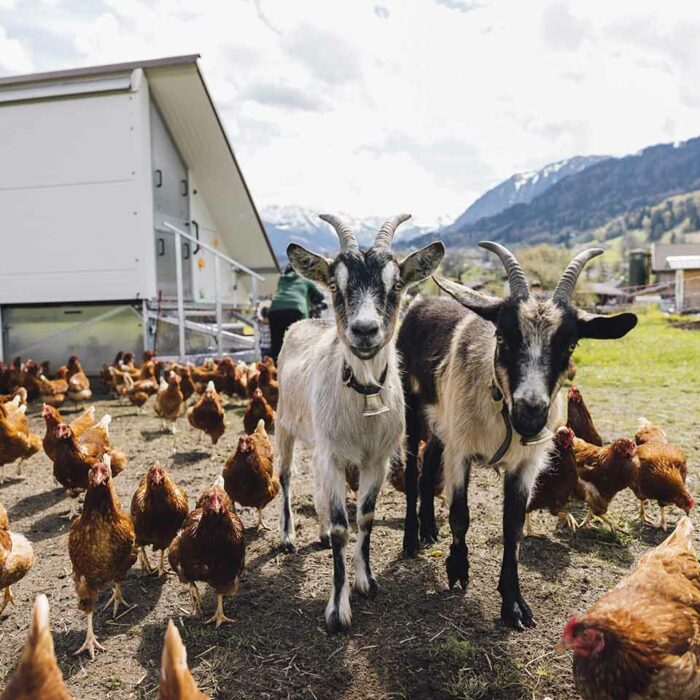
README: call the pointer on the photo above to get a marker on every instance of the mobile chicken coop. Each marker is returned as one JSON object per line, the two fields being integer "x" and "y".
{"x": 126, "y": 221}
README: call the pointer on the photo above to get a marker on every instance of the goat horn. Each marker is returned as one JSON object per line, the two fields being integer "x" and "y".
{"x": 346, "y": 236}
{"x": 517, "y": 281}
{"x": 565, "y": 288}
{"x": 386, "y": 232}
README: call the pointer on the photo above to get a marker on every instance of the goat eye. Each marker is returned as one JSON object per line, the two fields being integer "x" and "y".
{"x": 398, "y": 286}
{"x": 572, "y": 347}
{"x": 333, "y": 287}
{"x": 499, "y": 340}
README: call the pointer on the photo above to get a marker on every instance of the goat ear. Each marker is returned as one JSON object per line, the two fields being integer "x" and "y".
{"x": 419, "y": 265}
{"x": 605, "y": 327}
{"x": 481, "y": 304}
{"x": 307, "y": 264}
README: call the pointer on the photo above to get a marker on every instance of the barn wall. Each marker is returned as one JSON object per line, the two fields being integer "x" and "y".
{"x": 72, "y": 201}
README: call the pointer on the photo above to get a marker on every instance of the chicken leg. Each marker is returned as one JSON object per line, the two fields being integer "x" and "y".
{"x": 219, "y": 618}
{"x": 19, "y": 467}
{"x": 568, "y": 520}
{"x": 116, "y": 598}
{"x": 7, "y": 597}
{"x": 143, "y": 560}
{"x": 90, "y": 644}
{"x": 161, "y": 565}
{"x": 261, "y": 523}
{"x": 73, "y": 510}
{"x": 662, "y": 520}
{"x": 644, "y": 516}
{"x": 196, "y": 598}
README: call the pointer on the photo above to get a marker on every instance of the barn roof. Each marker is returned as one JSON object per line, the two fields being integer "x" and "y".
{"x": 186, "y": 105}
{"x": 660, "y": 253}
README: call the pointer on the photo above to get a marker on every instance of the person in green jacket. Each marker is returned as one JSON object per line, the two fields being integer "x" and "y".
{"x": 292, "y": 301}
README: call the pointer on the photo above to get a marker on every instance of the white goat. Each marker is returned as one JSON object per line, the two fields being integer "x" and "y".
{"x": 340, "y": 393}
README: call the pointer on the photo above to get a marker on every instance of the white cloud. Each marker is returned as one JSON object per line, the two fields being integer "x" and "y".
{"x": 14, "y": 58}
{"x": 373, "y": 107}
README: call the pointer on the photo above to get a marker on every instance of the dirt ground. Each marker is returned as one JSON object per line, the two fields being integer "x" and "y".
{"x": 414, "y": 640}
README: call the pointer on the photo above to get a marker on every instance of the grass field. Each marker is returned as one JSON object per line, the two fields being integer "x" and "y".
{"x": 416, "y": 639}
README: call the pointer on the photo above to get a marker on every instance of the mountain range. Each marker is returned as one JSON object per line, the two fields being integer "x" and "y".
{"x": 577, "y": 206}
{"x": 285, "y": 224}
{"x": 567, "y": 202}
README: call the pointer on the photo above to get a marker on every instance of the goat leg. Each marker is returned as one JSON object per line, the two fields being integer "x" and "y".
{"x": 457, "y": 563}
{"x": 432, "y": 461}
{"x": 515, "y": 612}
{"x": 338, "y": 613}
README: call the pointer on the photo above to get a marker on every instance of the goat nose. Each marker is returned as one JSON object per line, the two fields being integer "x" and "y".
{"x": 365, "y": 329}
{"x": 529, "y": 417}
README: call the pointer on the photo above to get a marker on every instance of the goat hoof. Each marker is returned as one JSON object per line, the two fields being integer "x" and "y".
{"x": 372, "y": 588}
{"x": 410, "y": 544}
{"x": 517, "y": 615}
{"x": 334, "y": 625}
{"x": 287, "y": 547}
{"x": 324, "y": 542}
{"x": 457, "y": 566}
{"x": 429, "y": 535}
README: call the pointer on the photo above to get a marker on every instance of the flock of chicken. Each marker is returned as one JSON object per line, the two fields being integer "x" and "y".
{"x": 611, "y": 657}
{"x": 583, "y": 468}
{"x": 206, "y": 544}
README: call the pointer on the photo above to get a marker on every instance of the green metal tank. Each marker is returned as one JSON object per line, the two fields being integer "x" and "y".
{"x": 639, "y": 268}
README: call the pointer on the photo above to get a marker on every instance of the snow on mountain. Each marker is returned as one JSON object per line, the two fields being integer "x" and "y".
{"x": 522, "y": 188}
{"x": 287, "y": 224}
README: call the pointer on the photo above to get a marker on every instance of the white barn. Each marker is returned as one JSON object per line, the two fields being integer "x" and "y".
{"x": 97, "y": 165}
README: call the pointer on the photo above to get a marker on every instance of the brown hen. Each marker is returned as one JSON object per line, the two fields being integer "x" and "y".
{"x": 16, "y": 558}
{"x": 102, "y": 547}
{"x": 258, "y": 409}
{"x": 169, "y": 400}
{"x": 158, "y": 509}
{"x": 16, "y": 442}
{"x": 37, "y": 676}
{"x": 557, "y": 483}
{"x": 640, "y": 640}
{"x": 210, "y": 548}
{"x": 176, "y": 682}
{"x": 579, "y": 419}
{"x": 662, "y": 473}
{"x": 249, "y": 474}
{"x": 207, "y": 415}
{"x": 602, "y": 473}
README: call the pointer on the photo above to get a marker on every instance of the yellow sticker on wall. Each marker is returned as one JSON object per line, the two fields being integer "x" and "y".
{"x": 201, "y": 264}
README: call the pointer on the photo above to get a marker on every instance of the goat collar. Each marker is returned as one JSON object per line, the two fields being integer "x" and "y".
{"x": 373, "y": 401}
{"x": 498, "y": 398}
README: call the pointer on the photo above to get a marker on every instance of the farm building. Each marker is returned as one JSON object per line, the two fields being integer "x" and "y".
{"x": 660, "y": 252}
{"x": 687, "y": 282}
{"x": 126, "y": 220}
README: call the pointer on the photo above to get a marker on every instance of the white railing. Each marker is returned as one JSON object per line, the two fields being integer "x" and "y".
{"x": 182, "y": 322}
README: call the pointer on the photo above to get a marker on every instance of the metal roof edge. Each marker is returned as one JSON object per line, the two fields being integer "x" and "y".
{"x": 97, "y": 70}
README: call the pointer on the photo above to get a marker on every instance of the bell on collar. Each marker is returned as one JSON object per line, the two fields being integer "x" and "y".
{"x": 374, "y": 405}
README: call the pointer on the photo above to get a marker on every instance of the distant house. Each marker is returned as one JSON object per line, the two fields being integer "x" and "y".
{"x": 686, "y": 270}
{"x": 98, "y": 165}
{"x": 660, "y": 253}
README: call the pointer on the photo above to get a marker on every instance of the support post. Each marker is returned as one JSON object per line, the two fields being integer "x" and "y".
{"x": 217, "y": 299}
{"x": 2, "y": 339}
{"x": 146, "y": 321}
{"x": 180, "y": 300}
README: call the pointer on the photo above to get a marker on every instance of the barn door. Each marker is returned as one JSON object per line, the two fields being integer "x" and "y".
{"x": 171, "y": 203}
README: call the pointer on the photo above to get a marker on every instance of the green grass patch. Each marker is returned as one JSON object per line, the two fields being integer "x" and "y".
{"x": 654, "y": 354}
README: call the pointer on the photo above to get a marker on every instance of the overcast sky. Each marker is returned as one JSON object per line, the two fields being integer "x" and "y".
{"x": 385, "y": 106}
